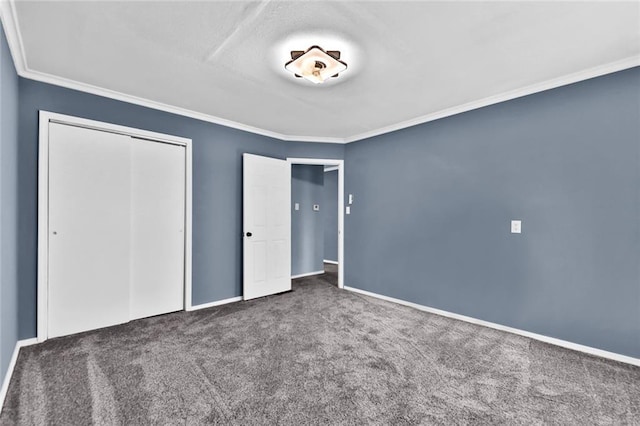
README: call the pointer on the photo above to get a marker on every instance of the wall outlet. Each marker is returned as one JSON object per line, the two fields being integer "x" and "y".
{"x": 516, "y": 226}
{"x": 348, "y": 210}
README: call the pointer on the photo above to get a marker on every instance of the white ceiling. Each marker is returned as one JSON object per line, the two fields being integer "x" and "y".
{"x": 409, "y": 62}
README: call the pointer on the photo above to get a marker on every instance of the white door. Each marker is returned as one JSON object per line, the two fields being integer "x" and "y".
{"x": 157, "y": 228}
{"x": 267, "y": 226}
{"x": 116, "y": 221}
{"x": 89, "y": 220}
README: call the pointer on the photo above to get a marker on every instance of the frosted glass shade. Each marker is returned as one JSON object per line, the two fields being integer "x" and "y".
{"x": 315, "y": 64}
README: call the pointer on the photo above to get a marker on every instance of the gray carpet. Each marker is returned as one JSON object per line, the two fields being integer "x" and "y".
{"x": 316, "y": 355}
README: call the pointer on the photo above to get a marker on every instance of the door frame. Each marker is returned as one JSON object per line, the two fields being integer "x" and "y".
{"x": 46, "y": 117}
{"x": 340, "y": 167}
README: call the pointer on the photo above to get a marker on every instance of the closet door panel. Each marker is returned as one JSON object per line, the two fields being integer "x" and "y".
{"x": 89, "y": 229}
{"x": 157, "y": 228}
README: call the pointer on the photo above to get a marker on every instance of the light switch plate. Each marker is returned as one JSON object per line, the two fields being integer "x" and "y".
{"x": 316, "y": 207}
{"x": 350, "y": 198}
{"x": 516, "y": 226}
{"x": 296, "y": 206}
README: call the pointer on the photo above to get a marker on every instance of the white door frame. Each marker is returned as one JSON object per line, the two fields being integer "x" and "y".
{"x": 43, "y": 201}
{"x": 340, "y": 165}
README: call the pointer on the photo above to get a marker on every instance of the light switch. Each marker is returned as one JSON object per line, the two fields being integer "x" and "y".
{"x": 348, "y": 210}
{"x": 316, "y": 207}
{"x": 296, "y": 206}
{"x": 516, "y": 226}
{"x": 350, "y": 198}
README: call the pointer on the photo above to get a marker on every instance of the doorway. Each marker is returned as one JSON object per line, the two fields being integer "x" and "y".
{"x": 319, "y": 208}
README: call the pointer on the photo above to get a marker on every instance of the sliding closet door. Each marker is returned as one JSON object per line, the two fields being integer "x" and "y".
{"x": 117, "y": 229}
{"x": 157, "y": 228}
{"x": 89, "y": 228}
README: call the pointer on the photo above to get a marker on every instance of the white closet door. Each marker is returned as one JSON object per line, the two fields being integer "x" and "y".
{"x": 89, "y": 226}
{"x": 157, "y": 228}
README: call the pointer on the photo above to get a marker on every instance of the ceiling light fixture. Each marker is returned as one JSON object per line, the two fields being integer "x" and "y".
{"x": 315, "y": 64}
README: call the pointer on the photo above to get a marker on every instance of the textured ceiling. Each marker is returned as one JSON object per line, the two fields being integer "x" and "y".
{"x": 406, "y": 59}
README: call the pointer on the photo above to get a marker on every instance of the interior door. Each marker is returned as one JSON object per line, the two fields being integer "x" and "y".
{"x": 267, "y": 226}
{"x": 89, "y": 220}
{"x": 157, "y": 228}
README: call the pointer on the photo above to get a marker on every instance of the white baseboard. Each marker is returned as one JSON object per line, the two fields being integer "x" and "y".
{"x": 216, "y": 303}
{"x": 308, "y": 274}
{"x": 551, "y": 340}
{"x": 333, "y": 262}
{"x": 12, "y": 365}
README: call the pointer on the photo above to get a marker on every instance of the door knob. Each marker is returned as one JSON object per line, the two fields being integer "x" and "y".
{"x": 249, "y": 234}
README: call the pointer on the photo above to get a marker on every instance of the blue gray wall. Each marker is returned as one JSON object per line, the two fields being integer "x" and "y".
{"x": 307, "y": 187}
{"x": 430, "y": 222}
{"x": 9, "y": 214}
{"x": 331, "y": 215}
{"x": 217, "y": 185}
{"x": 439, "y": 197}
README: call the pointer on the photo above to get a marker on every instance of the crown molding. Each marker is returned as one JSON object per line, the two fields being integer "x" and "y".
{"x": 16, "y": 46}
{"x": 112, "y": 94}
{"x": 600, "y": 70}
{"x": 14, "y": 39}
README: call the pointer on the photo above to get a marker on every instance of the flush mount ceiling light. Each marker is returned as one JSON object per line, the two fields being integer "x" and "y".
{"x": 315, "y": 64}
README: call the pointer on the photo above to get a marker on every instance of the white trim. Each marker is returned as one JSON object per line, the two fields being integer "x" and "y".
{"x": 43, "y": 230}
{"x": 216, "y": 303}
{"x": 14, "y": 37}
{"x": 333, "y": 262}
{"x": 308, "y": 274}
{"x": 612, "y": 67}
{"x": 330, "y": 169}
{"x": 340, "y": 165}
{"x": 551, "y": 340}
{"x": 12, "y": 365}
{"x": 16, "y": 46}
{"x": 112, "y": 94}
{"x": 317, "y": 161}
{"x": 43, "y": 202}
{"x": 188, "y": 225}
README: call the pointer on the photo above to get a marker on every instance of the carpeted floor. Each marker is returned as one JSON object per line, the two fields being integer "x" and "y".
{"x": 316, "y": 355}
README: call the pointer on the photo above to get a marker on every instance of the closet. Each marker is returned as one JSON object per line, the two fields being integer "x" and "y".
{"x": 116, "y": 228}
